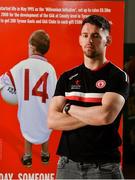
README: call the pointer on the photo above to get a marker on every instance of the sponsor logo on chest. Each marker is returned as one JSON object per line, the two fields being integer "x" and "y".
{"x": 76, "y": 85}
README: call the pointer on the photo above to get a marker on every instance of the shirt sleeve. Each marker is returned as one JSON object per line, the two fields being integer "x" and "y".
{"x": 61, "y": 86}
{"x": 119, "y": 83}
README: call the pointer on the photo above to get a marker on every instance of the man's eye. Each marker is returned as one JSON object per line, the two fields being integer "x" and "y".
{"x": 85, "y": 35}
{"x": 95, "y": 35}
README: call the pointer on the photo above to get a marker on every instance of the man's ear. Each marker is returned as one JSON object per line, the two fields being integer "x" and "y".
{"x": 33, "y": 48}
{"x": 108, "y": 40}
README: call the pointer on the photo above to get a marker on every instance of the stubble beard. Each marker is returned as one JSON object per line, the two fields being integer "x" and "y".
{"x": 93, "y": 55}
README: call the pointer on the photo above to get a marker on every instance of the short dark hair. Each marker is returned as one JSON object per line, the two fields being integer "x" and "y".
{"x": 99, "y": 21}
{"x": 40, "y": 39}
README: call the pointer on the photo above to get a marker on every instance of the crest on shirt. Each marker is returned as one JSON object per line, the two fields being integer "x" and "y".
{"x": 100, "y": 84}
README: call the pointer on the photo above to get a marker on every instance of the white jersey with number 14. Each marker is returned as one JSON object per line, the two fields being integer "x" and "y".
{"x": 34, "y": 80}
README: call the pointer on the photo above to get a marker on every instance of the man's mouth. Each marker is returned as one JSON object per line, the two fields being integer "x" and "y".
{"x": 90, "y": 47}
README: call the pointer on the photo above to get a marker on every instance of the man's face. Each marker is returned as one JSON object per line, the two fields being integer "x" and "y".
{"x": 93, "y": 40}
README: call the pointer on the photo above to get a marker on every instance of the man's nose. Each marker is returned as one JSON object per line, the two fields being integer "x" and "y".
{"x": 90, "y": 40}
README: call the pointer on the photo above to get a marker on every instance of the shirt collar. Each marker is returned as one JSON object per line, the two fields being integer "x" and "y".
{"x": 38, "y": 57}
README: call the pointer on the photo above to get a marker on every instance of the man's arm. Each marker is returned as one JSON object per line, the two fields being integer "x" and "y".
{"x": 112, "y": 104}
{"x": 59, "y": 120}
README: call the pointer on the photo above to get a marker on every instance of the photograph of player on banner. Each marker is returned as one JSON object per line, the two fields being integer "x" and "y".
{"x": 36, "y": 74}
{"x": 62, "y": 21}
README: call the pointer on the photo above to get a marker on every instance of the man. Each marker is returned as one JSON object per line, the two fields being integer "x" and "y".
{"x": 87, "y": 106}
{"x": 34, "y": 79}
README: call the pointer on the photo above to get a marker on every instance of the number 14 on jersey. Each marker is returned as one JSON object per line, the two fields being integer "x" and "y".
{"x": 35, "y": 90}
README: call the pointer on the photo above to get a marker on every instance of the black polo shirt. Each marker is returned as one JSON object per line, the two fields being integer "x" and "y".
{"x": 84, "y": 87}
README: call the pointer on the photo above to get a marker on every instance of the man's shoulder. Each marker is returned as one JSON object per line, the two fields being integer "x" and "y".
{"x": 18, "y": 64}
{"x": 117, "y": 69}
{"x": 29, "y": 61}
{"x": 118, "y": 72}
{"x": 75, "y": 69}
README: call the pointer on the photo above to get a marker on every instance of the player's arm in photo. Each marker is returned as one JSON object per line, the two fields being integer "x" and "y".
{"x": 4, "y": 80}
{"x": 7, "y": 89}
